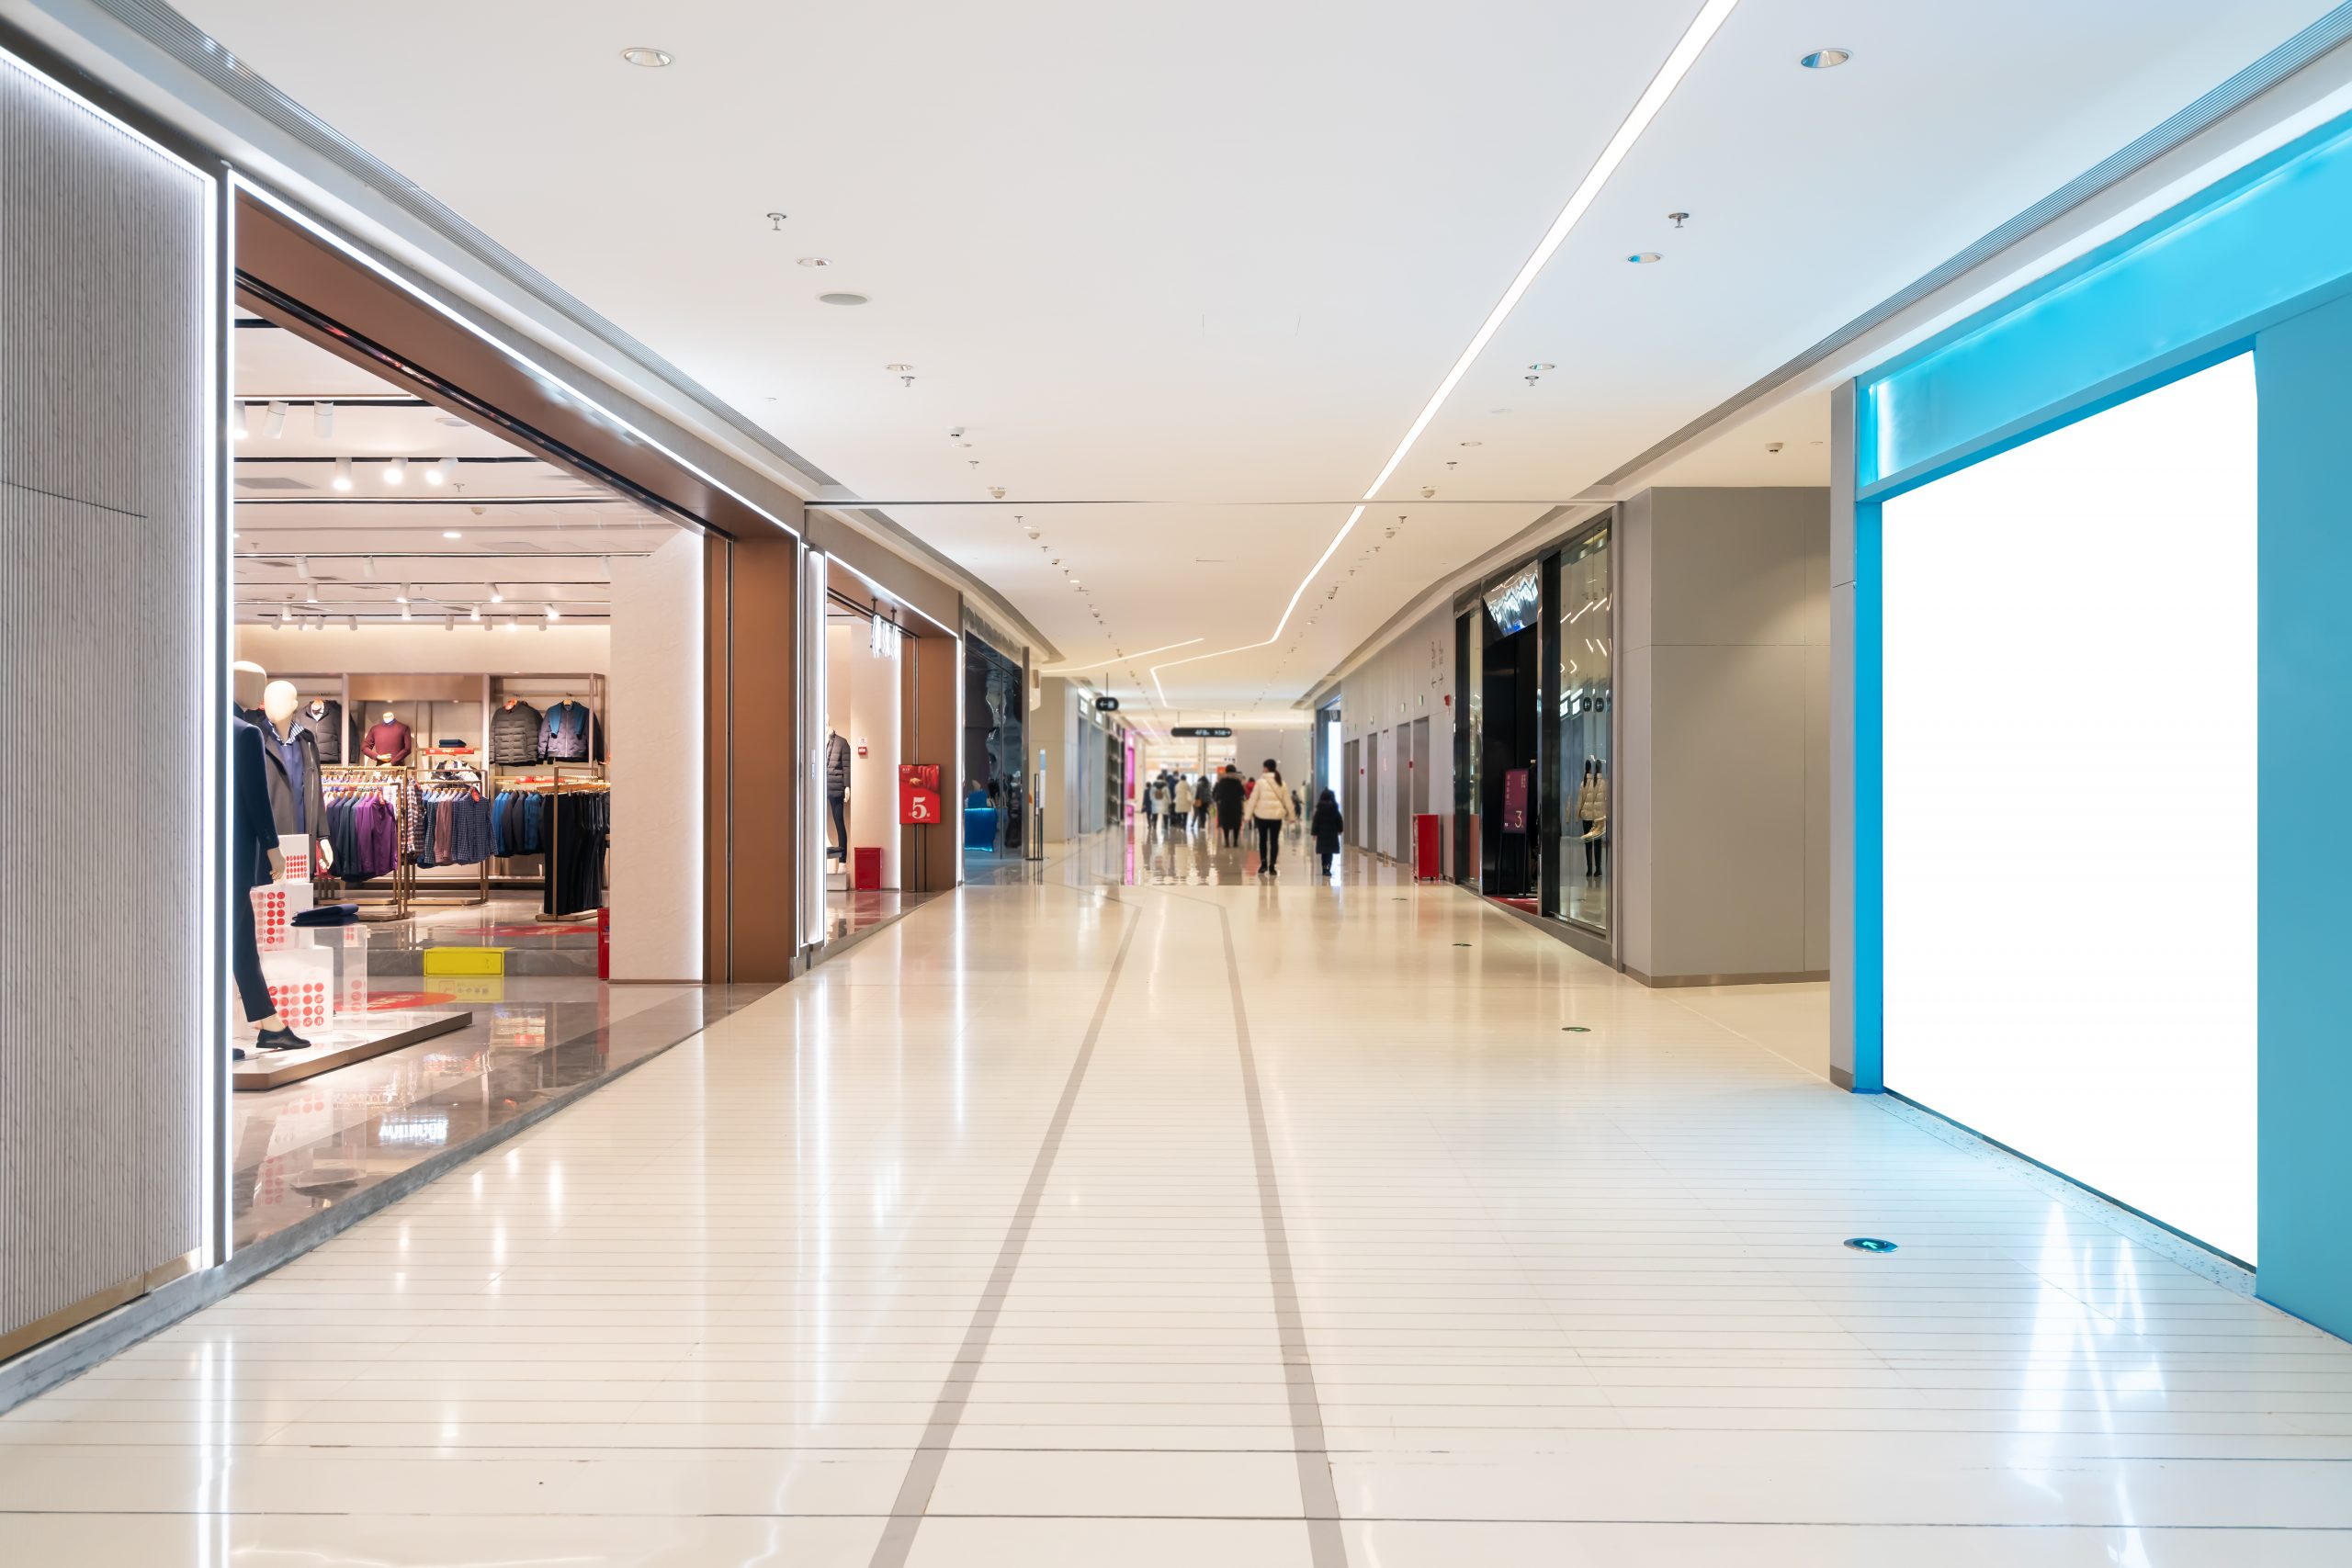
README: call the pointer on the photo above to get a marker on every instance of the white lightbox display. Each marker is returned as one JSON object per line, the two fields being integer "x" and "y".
{"x": 2069, "y": 801}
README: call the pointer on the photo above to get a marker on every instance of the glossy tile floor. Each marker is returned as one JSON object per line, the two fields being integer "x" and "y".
{"x": 1210, "y": 1220}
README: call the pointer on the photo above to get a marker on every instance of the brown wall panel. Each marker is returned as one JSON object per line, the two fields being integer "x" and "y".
{"x": 932, "y": 666}
{"x": 761, "y": 613}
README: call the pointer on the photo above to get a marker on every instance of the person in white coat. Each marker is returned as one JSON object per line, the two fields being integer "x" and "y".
{"x": 1183, "y": 816}
{"x": 1270, "y": 811}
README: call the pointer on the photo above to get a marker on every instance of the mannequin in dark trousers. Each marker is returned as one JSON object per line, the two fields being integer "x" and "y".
{"x": 253, "y": 863}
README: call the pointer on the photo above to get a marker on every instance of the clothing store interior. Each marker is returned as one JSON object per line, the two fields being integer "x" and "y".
{"x": 867, "y": 681}
{"x": 426, "y": 616}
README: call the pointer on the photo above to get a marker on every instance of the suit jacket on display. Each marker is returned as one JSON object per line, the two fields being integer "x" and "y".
{"x": 513, "y": 735}
{"x": 293, "y": 808}
{"x": 252, "y": 823}
{"x": 836, "y": 767}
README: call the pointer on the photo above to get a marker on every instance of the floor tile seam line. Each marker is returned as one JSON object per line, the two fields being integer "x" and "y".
{"x": 1318, "y": 1495}
{"x": 1560, "y": 1521}
{"x": 925, "y": 1464}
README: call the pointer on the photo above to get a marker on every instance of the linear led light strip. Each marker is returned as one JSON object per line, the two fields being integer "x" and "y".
{"x": 1684, "y": 55}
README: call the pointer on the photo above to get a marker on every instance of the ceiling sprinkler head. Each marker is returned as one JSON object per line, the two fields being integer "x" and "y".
{"x": 775, "y": 222}
{"x": 1678, "y": 219}
{"x": 906, "y": 380}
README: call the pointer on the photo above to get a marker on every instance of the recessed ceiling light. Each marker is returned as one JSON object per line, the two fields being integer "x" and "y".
{"x": 451, "y": 534}
{"x": 1643, "y": 258}
{"x": 900, "y": 370}
{"x": 1824, "y": 59}
{"x": 651, "y": 58}
{"x": 1539, "y": 368}
{"x": 1474, "y": 444}
{"x": 815, "y": 261}
{"x": 842, "y": 299}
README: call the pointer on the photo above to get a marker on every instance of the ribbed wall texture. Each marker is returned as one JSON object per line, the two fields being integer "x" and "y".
{"x": 103, "y": 371}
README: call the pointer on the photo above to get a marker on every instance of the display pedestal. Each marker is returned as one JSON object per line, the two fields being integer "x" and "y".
{"x": 354, "y": 1040}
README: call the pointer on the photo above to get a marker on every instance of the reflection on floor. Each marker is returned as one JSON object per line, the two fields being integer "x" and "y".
{"x": 848, "y": 913}
{"x": 508, "y": 921}
{"x": 304, "y": 1148}
{"x": 1200, "y": 1218}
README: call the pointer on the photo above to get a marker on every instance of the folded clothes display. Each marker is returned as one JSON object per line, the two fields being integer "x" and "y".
{"x": 327, "y": 915}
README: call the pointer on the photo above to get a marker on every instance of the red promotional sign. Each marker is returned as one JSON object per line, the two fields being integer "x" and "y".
{"x": 1515, "y": 801}
{"x": 919, "y": 801}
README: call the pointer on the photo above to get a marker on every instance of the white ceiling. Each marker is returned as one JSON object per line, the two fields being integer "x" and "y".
{"x": 1205, "y": 261}
{"x": 525, "y": 529}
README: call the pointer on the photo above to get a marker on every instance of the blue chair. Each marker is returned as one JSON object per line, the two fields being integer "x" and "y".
{"x": 979, "y": 828}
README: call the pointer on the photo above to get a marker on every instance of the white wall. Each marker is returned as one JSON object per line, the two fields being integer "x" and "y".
{"x": 1411, "y": 678}
{"x": 654, "y": 754}
{"x": 876, "y": 686}
{"x": 1292, "y": 750}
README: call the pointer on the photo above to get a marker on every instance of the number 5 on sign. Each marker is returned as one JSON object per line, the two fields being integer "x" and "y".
{"x": 919, "y": 799}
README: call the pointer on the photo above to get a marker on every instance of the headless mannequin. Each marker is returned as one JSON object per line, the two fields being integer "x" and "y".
{"x": 275, "y": 1023}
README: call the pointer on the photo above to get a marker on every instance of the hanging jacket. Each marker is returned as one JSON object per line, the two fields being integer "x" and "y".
{"x": 836, "y": 767}
{"x": 324, "y": 719}
{"x": 514, "y": 733}
{"x": 252, "y": 827}
{"x": 563, "y": 734}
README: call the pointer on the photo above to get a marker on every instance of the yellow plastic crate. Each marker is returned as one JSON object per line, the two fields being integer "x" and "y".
{"x": 465, "y": 961}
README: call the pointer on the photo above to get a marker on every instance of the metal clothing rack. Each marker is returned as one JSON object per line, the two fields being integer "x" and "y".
{"x": 402, "y": 896}
{"x": 548, "y": 778}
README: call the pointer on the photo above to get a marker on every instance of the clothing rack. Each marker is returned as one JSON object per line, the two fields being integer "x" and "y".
{"x": 391, "y": 902}
{"x": 556, "y": 779}
{"x": 406, "y": 793}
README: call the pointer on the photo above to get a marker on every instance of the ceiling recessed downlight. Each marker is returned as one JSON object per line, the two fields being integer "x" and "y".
{"x": 1643, "y": 258}
{"x": 651, "y": 58}
{"x": 815, "y": 261}
{"x": 1824, "y": 59}
{"x": 451, "y": 534}
{"x": 1474, "y": 444}
{"x": 842, "y": 299}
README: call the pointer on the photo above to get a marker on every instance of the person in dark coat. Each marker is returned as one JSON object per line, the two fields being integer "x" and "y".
{"x": 1327, "y": 827}
{"x": 1230, "y": 793}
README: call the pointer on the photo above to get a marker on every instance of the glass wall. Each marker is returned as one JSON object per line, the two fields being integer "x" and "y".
{"x": 1586, "y": 648}
{"x": 995, "y": 785}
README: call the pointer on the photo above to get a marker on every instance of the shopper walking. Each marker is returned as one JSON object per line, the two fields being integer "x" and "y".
{"x": 1269, "y": 808}
{"x": 1230, "y": 795}
{"x": 1327, "y": 827}
{"x": 1202, "y": 794}
{"x": 1184, "y": 804}
{"x": 1150, "y": 809}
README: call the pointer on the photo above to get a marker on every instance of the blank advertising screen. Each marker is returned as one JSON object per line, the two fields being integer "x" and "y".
{"x": 2069, "y": 778}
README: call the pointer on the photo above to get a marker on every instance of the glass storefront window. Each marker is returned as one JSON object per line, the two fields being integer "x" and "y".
{"x": 1585, "y": 782}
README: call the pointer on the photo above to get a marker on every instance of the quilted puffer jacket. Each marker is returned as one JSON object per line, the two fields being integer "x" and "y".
{"x": 513, "y": 735}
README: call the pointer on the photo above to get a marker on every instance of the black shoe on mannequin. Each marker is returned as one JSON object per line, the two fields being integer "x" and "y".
{"x": 280, "y": 1039}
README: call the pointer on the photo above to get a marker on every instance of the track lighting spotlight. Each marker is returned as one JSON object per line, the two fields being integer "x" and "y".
{"x": 342, "y": 479}
{"x": 497, "y": 595}
{"x": 322, "y": 421}
{"x": 553, "y": 615}
{"x": 395, "y": 470}
{"x": 276, "y": 426}
{"x": 442, "y": 472}
{"x": 476, "y": 614}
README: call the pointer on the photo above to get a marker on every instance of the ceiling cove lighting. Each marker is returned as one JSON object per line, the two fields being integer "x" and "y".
{"x": 342, "y": 479}
{"x": 1679, "y": 62}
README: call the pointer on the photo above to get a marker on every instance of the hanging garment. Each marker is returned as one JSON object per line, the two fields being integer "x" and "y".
{"x": 323, "y": 718}
{"x": 563, "y": 734}
{"x": 514, "y": 733}
{"x": 579, "y": 833}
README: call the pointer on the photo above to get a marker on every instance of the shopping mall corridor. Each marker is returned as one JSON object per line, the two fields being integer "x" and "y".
{"x": 1185, "y": 1220}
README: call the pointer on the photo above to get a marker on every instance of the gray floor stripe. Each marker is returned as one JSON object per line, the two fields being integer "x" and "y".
{"x": 931, "y": 1456}
{"x": 1318, "y": 1499}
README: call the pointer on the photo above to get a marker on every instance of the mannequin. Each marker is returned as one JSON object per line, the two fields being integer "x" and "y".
{"x": 254, "y": 859}
{"x": 291, "y": 757}
{"x": 323, "y": 716}
{"x": 837, "y": 792}
{"x": 387, "y": 742}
